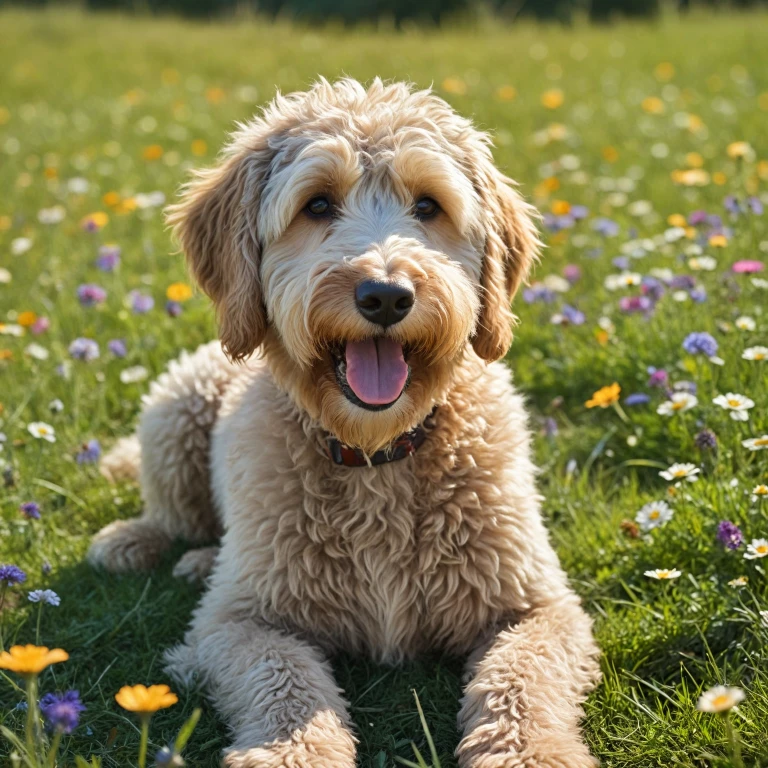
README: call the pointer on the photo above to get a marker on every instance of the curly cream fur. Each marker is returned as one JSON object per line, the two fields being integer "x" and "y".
{"x": 445, "y": 550}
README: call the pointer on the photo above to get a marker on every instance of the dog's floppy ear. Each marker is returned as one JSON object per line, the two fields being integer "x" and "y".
{"x": 511, "y": 247}
{"x": 215, "y": 225}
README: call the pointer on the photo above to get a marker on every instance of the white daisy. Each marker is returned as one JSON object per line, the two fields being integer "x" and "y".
{"x": 663, "y": 573}
{"x": 739, "y": 581}
{"x": 37, "y": 351}
{"x": 705, "y": 263}
{"x": 56, "y": 406}
{"x": 759, "y": 282}
{"x": 654, "y": 515}
{"x": 678, "y": 403}
{"x": 719, "y": 699}
{"x": 760, "y": 492}
{"x": 624, "y": 280}
{"x": 738, "y": 405}
{"x": 758, "y": 548}
{"x": 756, "y": 443}
{"x": 12, "y": 329}
{"x": 20, "y": 245}
{"x": 681, "y": 472}
{"x": 42, "y": 431}
{"x": 745, "y": 323}
{"x": 5, "y": 275}
{"x": 755, "y": 353}
{"x": 51, "y": 215}
{"x": 134, "y": 374}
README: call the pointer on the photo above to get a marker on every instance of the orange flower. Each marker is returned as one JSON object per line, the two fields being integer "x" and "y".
{"x": 605, "y": 396}
{"x": 152, "y": 152}
{"x": 215, "y": 95}
{"x": 178, "y": 292}
{"x": 199, "y": 147}
{"x": 553, "y": 98}
{"x": 94, "y": 221}
{"x": 610, "y": 154}
{"x": 145, "y": 701}
{"x": 30, "y": 659}
{"x": 26, "y": 319}
{"x": 111, "y": 199}
{"x": 561, "y": 207}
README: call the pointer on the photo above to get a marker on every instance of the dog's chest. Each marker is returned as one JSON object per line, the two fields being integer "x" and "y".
{"x": 382, "y": 568}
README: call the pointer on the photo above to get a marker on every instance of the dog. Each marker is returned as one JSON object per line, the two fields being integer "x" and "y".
{"x": 353, "y": 439}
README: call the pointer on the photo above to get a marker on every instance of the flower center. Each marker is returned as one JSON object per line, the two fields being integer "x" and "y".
{"x": 654, "y": 515}
{"x": 762, "y": 549}
{"x": 677, "y": 406}
{"x": 734, "y": 403}
{"x": 721, "y": 701}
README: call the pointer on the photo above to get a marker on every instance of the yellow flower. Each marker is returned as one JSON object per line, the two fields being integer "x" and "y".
{"x": 561, "y": 207}
{"x": 30, "y": 659}
{"x": 506, "y": 93}
{"x": 677, "y": 220}
{"x": 93, "y": 221}
{"x": 152, "y": 152}
{"x": 199, "y": 147}
{"x": 653, "y": 105}
{"x": 719, "y": 178}
{"x": 178, "y": 292}
{"x": 664, "y": 71}
{"x": 739, "y": 149}
{"x": 694, "y": 160}
{"x": 610, "y": 154}
{"x": 455, "y": 85}
{"x": 145, "y": 701}
{"x": 111, "y": 199}
{"x": 694, "y": 177}
{"x": 605, "y": 396}
{"x": 215, "y": 95}
{"x": 718, "y": 241}
{"x": 553, "y": 98}
{"x": 25, "y": 319}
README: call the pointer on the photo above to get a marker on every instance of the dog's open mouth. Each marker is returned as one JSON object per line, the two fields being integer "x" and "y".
{"x": 372, "y": 374}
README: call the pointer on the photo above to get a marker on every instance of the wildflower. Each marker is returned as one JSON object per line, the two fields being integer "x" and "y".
{"x": 663, "y": 573}
{"x": 41, "y": 325}
{"x": 738, "y": 405}
{"x": 42, "y": 431}
{"x": 173, "y": 308}
{"x": 62, "y": 711}
{"x": 90, "y": 295}
{"x": 117, "y": 347}
{"x": 11, "y": 575}
{"x": 134, "y": 374}
{"x": 90, "y": 452}
{"x": 745, "y": 323}
{"x": 37, "y": 351}
{"x": 654, "y": 515}
{"x": 624, "y": 280}
{"x": 756, "y": 443}
{"x": 140, "y": 303}
{"x": 719, "y": 699}
{"x": 657, "y": 377}
{"x": 108, "y": 259}
{"x": 755, "y": 353}
{"x": 678, "y": 403}
{"x": 747, "y": 266}
{"x": 739, "y": 581}
{"x": 30, "y": 659}
{"x": 758, "y": 548}
{"x": 20, "y": 245}
{"x": 178, "y": 292}
{"x": 553, "y": 98}
{"x": 739, "y": 149}
{"x": 84, "y": 349}
{"x": 700, "y": 343}
{"x": 729, "y": 534}
{"x": 760, "y": 492}
{"x": 706, "y": 439}
{"x": 568, "y": 316}
{"x": 44, "y": 596}
{"x": 93, "y": 222}
{"x": 143, "y": 700}
{"x": 681, "y": 472}
{"x": 30, "y": 510}
{"x": 56, "y": 406}
{"x": 605, "y": 396}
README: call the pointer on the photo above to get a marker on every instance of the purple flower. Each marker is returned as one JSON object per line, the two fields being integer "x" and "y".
{"x": 11, "y": 575}
{"x": 90, "y": 295}
{"x": 605, "y": 227}
{"x": 658, "y": 377}
{"x": 699, "y": 295}
{"x": 141, "y": 303}
{"x": 47, "y": 596}
{"x": 572, "y": 273}
{"x": 117, "y": 347}
{"x": 621, "y": 262}
{"x": 682, "y": 283}
{"x": 729, "y": 534}
{"x": 572, "y": 316}
{"x": 41, "y": 325}
{"x": 84, "y": 349}
{"x": 173, "y": 308}
{"x": 632, "y": 304}
{"x": 579, "y": 212}
{"x": 652, "y": 288}
{"x": 538, "y": 292}
{"x": 90, "y": 453}
{"x": 637, "y": 398}
{"x": 46, "y": 568}
{"x": 700, "y": 343}
{"x": 706, "y": 439}
{"x": 755, "y": 205}
{"x": 30, "y": 510}
{"x": 62, "y": 711}
{"x": 732, "y": 205}
{"x": 685, "y": 386}
{"x": 697, "y": 217}
{"x": 550, "y": 427}
{"x": 108, "y": 259}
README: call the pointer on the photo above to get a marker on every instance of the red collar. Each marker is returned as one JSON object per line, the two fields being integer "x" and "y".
{"x": 405, "y": 445}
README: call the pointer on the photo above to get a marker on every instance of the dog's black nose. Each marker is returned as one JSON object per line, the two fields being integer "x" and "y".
{"x": 383, "y": 303}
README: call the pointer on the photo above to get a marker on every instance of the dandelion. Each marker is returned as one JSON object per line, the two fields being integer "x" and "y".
{"x": 756, "y": 443}
{"x": 30, "y": 510}
{"x": 719, "y": 699}
{"x": 757, "y": 549}
{"x": 42, "y": 431}
{"x": 654, "y": 515}
{"x": 755, "y": 353}
{"x": 729, "y": 535}
{"x": 700, "y": 343}
{"x": 737, "y": 405}
{"x": 663, "y": 573}
{"x": 687, "y": 472}
{"x": 44, "y": 597}
{"x": 30, "y": 659}
{"x": 678, "y": 403}
{"x": 84, "y": 349}
{"x": 604, "y": 396}
{"x": 62, "y": 711}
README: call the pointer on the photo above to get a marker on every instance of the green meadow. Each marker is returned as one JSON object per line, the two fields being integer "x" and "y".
{"x": 645, "y": 147}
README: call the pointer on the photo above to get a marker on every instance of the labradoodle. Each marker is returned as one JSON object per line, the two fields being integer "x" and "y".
{"x": 352, "y": 440}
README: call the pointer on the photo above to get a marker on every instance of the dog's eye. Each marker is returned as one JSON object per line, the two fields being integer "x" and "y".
{"x": 425, "y": 208}
{"x": 318, "y": 206}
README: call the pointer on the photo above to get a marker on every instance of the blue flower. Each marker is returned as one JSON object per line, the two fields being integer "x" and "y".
{"x": 47, "y": 596}
{"x": 700, "y": 343}
{"x": 90, "y": 452}
{"x": 117, "y": 347}
{"x": 11, "y": 575}
{"x": 84, "y": 349}
{"x": 637, "y": 398}
{"x": 108, "y": 259}
{"x": 140, "y": 303}
{"x": 729, "y": 534}
{"x": 62, "y": 711}
{"x": 30, "y": 510}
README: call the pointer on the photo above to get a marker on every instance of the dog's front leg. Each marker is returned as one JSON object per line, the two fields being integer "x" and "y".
{"x": 523, "y": 704}
{"x": 275, "y": 690}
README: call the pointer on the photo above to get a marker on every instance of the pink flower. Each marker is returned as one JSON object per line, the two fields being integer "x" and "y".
{"x": 745, "y": 266}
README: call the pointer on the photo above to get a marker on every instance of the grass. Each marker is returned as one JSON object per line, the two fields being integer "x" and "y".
{"x": 96, "y": 97}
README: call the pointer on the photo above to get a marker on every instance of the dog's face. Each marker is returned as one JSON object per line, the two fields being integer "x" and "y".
{"x": 366, "y": 240}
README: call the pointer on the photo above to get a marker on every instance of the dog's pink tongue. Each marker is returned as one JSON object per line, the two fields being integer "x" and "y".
{"x": 376, "y": 370}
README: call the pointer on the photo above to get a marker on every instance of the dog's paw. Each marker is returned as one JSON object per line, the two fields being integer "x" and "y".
{"x": 550, "y": 754}
{"x": 196, "y": 565}
{"x": 128, "y": 545}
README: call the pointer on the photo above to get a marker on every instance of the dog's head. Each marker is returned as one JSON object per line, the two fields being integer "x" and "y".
{"x": 367, "y": 241}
